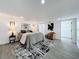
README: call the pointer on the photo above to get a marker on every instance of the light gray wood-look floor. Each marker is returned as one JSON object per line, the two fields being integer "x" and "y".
{"x": 7, "y": 51}
{"x": 60, "y": 50}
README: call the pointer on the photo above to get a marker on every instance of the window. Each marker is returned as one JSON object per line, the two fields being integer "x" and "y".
{"x": 41, "y": 28}
{"x": 66, "y": 29}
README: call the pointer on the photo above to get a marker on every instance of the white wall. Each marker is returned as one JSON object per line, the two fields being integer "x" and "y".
{"x": 74, "y": 30}
{"x": 3, "y": 30}
{"x": 57, "y": 29}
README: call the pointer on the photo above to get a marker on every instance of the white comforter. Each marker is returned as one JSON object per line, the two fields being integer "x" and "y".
{"x": 23, "y": 38}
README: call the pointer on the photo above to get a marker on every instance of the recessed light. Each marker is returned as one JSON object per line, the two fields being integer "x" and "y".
{"x": 42, "y": 1}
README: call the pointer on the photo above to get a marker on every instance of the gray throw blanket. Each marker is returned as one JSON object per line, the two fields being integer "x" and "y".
{"x": 28, "y": 39}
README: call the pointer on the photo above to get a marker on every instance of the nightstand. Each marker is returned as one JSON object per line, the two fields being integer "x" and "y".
{"x": 12, "y": 38}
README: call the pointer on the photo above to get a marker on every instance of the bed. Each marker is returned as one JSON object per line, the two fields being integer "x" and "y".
{"x": 28, "y": 39}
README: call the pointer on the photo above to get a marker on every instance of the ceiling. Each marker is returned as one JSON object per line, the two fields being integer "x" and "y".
{"x": 34, "y": 10}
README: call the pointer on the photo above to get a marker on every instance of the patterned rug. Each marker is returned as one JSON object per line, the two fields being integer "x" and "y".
{"x": 38, "y": 51}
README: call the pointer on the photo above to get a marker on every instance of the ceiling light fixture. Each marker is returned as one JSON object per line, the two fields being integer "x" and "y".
{"x": 42, "y": 1}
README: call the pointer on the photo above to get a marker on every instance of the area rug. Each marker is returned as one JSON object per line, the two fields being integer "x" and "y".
{"x": 38, "y": 51}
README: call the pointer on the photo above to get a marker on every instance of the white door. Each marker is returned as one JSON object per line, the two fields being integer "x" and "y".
{"x": 66, "y": 29}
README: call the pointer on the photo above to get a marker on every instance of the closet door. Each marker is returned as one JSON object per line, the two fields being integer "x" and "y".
{"x": 66, "y": 29}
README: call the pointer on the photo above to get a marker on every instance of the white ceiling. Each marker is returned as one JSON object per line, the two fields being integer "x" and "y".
{"x": 34, "y": 10}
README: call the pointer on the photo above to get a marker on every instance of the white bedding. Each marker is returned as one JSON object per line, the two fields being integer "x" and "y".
{"x": 23, "y": 38}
